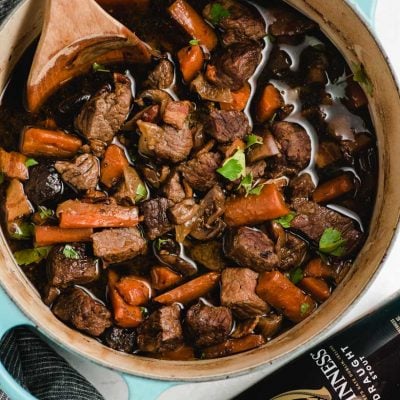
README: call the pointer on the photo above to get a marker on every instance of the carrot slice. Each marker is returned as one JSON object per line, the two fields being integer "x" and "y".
{"x": 163, "y": 278}
{"x": 233, "y": 346}
{"x": 112, "y": 165}
{"x": 76, "y": 214}
{"x": 193, "y": 23}
{"x": 269, "y": 103}
{"x": 191, "y": 60}
{"x": 239, "y": 99}
{"x": 13, "y": 165}
{"x": 254, "y": 209}
{"x": 191, "y": 290}
{"x": 125, "y": 316}
{"x": 17, "y": 204}
{"x": 336, "y": 187}
{"x": 282, "y": 294}
{"x": 317, "y": 288}
{"x": 134, "y": 290}
{"x": 316, "y": 268}
{"x": 48, "y": 235}
{"x": 38, "y": 142}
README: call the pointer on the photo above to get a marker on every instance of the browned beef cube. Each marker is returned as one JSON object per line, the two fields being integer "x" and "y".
{"x": 256, "y": 169}
{"x": 173, "y": 189}
{"x": 167, "y": 142}
{"x": 289, "y": 23}
{"x": 241, "y": 25}
{"x": 176, "y": 113}
{"x": 208, "y": 325}
{"x": 292, "y": 253}
{"x": 162, "y": 76}
{"x": 251, "y": 248}
{"x": 103, "y": 115}
{"x": 301, "y": 186}
{"x": 200, "y": 171}
{"x": 226, "y": 126}
{"x": 183, "y": 211}
{"x": 80, "y": 309}
{"x": 155, "y": 217}
{"x": 70, "y": 264}
{"x": 120, "y": 339}
{"x": 312, "y": 220}
{"x": 238, "y": 292}
{"x": 236, "y": 64}
{"x": 117, "y": 245}
{"x": 162, "y": 331}
{"x": 83, "y": 173}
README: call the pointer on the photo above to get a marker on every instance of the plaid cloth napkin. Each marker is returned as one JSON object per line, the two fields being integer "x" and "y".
{"x": 30, "y": 360}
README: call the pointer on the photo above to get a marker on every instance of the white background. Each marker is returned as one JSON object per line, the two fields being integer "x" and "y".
{"x": 110, "y": 384}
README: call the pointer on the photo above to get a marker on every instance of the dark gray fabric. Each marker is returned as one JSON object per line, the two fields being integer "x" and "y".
{"x": 40, "y": 370}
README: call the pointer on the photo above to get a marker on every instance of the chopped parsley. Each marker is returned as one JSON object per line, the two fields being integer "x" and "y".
{"x": 218, "y": 12}
{"x": 234, "y": 167}
{"x": 296, "y": 275}
{"x": 194, "y": 42}
{"x": 141, "y": 192}
{"x": 22, "y": 230}
{"x": 252, "y": 139}
{"x": 304, "y": 309}
{"x": 30, "y": 162}
{"x": 45, "y": 213}
{"x": 286, "y": 220}
{"x": 332, "y": 243}
{"x": 30, "y": 256}
{"x": 360, "y": 76}
{"x": 160, "y": 242}
{"x": 70, "y": 252}
{"x": 250, "y": 186}
{"x": 99, "y": 68}
{"x": 144, "y": 311}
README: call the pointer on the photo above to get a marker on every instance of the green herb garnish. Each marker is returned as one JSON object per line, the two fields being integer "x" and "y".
{"x": 99, "y": 68}
{"x": 22, "y": 230}
{"x": 360, "y": 76}
{"x": 234, "y": 167}
{"x": 252, "y": 139}
{"x": 70, "y": 252}
{"x": 30, "y": 256}
{"x": 30, "y": 162}
{"x": 304, "y": 309}
{"x": 45, "y": 213}
{"x": 286, "y": 220}
{"x": 144, "y": 311}
{"x": 256, "y": 191}
{"x": 141, "y": 192}
{"x": 250, "y": 186}
{"x": 332, "y": 243}
{"x": 160, "y": 242}
{"x": 218, "y": 12}
{"x": 194, "y": 42}
{"x": 296, "y": 275}
{"x": 271, "y": 38}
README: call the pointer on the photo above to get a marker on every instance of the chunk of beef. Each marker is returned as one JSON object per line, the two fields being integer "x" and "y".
{"x": 155, "y": 217}
{"x": 269, "y": 325}
{"x": 103, "y": 115}
{"x": 238, "y": 292}
{"x": 162, "y": 76}
{"x": 148, "y": 114}
{"x": 153, "y": 175}
{"x": 209, "y": 254}
{"x": 64, "y": 270}
{"x": 17, "y": 204}
{"x": 183, "y": 212}
{"x": 162, "y": 331}
{"x": 117, "y": 245}
{"x": 301, "y": 186}
{"x": 245, "y": 327}
{"x": 312, "y": 220}
{"x": 200, "y": 171}
{"x": 242, "y": 23}
{"x": 290, "y": 23}
{"x": 279, "y": 63}
{"x": 173, "y": 189}
{"x": 251, "y": 248}
{"x": 208, "y": 325}
{"x": 236, "y": 64}
{"x": 256, "y": 169}
{"x": 209, "y": 223}
{"x": 44, "y": 185}
{"x": 120, "y": 339}
{"x": 165, "y": 142}
{"x": 80, "y": 309}
{"x": 176, "y": 113}
{"x": 82, "y": 173}
{"x": 226, "y": 126}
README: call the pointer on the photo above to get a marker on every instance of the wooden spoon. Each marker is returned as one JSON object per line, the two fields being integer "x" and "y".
{"x": 77, "y": 33}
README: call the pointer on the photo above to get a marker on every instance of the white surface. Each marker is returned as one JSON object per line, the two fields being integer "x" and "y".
{"x": 386, "y": 284}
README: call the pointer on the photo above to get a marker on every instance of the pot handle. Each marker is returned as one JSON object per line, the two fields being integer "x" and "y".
{"x": 367, "y": 9}
{"x": 10, "y": 317}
